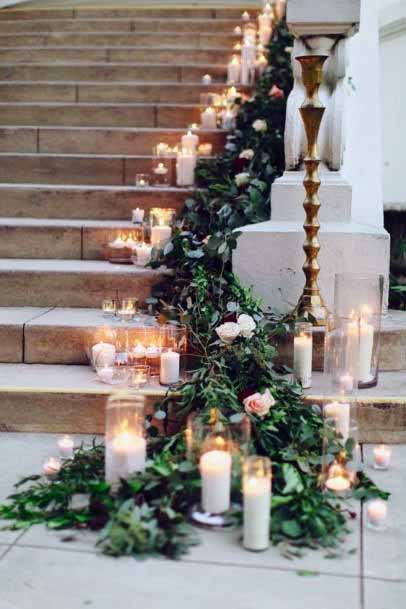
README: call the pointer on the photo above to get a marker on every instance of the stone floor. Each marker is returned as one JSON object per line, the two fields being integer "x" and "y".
{"x": 37, "y": 570}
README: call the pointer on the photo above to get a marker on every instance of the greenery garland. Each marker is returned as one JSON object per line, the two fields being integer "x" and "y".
{"x": 148, "y": 514}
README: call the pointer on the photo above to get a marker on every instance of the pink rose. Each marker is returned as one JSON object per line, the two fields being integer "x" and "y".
{"x": 259, "y": 403}
{"x": 276, "y": 93}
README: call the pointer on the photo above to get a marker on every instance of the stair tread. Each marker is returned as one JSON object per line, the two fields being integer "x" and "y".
{"x": 68, "y": 223}
{"x": 94, "y": 188}
{"x": 28, "y": 265}
{"x": 391, "y": 387}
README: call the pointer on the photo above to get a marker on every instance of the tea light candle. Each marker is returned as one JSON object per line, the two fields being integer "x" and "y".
{"x": 162, "y": 149}
{"x": 106, "y": 374}
{"x": 341, "y": 413}
{"x": 161, "y": 170}
{"x": 103, "y": 354}
{"x": 302, "y": 360}
{"x": 51, "y": 468}
{"x": 160, "y": 234}
{"x": 234, "y": 70}
{"x": 205, "y": 149}
{"x": 126, "y": 313}
{"x": 141, "y": 180}
{"x": 118, "y": 243}
{"x": 257, "y": 513}
{"x": 109, "y": 308}
{"x": 125, "y": 455}
{"x": 185, "y": 167}
{"x": 138, "y": 216}
{"x": 377, "y": 511}
{"x": 338, "y": 484}
{"x": 206, "y": 80}
{"x": 245, "y": 16}
{"x": 237, "y": 47}
{"x": 65, "y": 446}
{"x": 237, "y": 30}
{"x": 190, "y": 141}
{"x": 138, "y": 352}
{"x": 143, "y": 253}
{"x": 170, "y": 367}
{"x": 382, "y": 456}
{"x": 215, "y": 470}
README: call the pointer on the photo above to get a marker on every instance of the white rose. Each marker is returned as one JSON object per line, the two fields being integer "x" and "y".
{"x": 259, "y": 403}
{"x": 228, "y": 332}
{"x": 242, "y": 178}
{"x": 247, "y": 325}
{"x": 247, "y": 154}
{"x": 260, "y": 125}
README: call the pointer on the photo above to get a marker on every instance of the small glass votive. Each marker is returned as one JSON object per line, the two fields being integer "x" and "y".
{"x": 142, "y": 180}
{"x": 377, "y": 511}
{"x": 139, "y": 375}
{"x": 109, "y": 308}
{"x": 257, "y": 489}
{"x": 382, "y": 457}
{"x": 205, "y": 149}
{"x": 303, "y": 354}
{"x": 153, "y": 358}
{"x": 161, "y": 174}
{"x": 66, "y": 447}
{"x": 128, "y": 309}
{"x": 339, "y": 479}
{"x": 51, "y": 468}
{"x": 113, "y": 375}
{"x": 142, "y": 254}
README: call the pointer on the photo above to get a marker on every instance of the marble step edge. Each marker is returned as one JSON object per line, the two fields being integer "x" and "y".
{"x": 126, "y": 20}
{"x": 112, "y": 64}
{"x": 21, "y": 13}
{"x": 119, "y": 83}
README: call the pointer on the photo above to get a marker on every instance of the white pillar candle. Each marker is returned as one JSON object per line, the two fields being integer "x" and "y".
{"x": 265, "y": 19}
{"x": 103, "y": 354}
{"x": 377, "y": 511}
{"x": 215, "y": 470}
{"x": 143, "y": 253}
{"x": 234, "y": 70}
{"x": 248, "y": 55}
{"x": 65, "y": 445}
{"x": 125, "y": 455}
{"x": 257, "y": 513}
{"x": 185, "y": 168}
{"x": 51, "y": 468}
{"x": 245, "y": 16}
{"x": 169, "y": 368}
{"x": 228, "y": 120}
{"x": 265, "y": 34}
{"x": 190, "y": 141}
{"x": 366, "y": 347}
{"x": 209, "y": 119}
{"x": 302, "y": 360}
{"x": 206, "y": 80}
{"x": 341, "y": 414}
{"x": 138, "y": 215}
{"x": 160, "y": 235}
{"x": 382, "y": 456}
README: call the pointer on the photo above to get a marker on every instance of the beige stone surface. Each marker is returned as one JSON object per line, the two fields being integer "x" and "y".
{"x": 29, "y": 92}
{"x": 40, "y": 242}
{"x": 12, "y": 322}
{"x": 18, "y": 139}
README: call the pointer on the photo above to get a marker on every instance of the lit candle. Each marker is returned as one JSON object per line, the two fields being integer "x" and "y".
{"x": 382, "y": 456}
{"x": 248, "y": 55}
{"x": 341, "y": 414}
{"x": 190, "y": 141}
{"x": 237, "y": 30}
{"x": 185, "y": 167}
{"x": 51, "y": 468}
{"x": 118, "y": 243}
{"x": 126, "y": 313}
{"x": 161, "y": 170}
{"x": 265, "y": 34}
{"x": 160, "y": 234}
{"x": 232, "y": 94}
{"x": 346, "y": 383}
{"x": 366, "y": 346}
{"x": 143, "y": 253}
{"x": 65, "y": 446}
{"x": 205, "y": 149}
{"x": 162, "y": 149}
{"x": 209, "y": 118}
{"x": 106, "y": 374}
{"x": 377, "y": 511}
{"x": 109, "y": 307}
{"x": 265, "y": 19}
{"x": 228, "y": 120}
{"x": 245, "y": 16}
{"x": 206, "y": 80}
{"x": 138, "y": 215}
{"x": 338, "y": 484}
{"x": 103, "y": 354}
{"x": 257, "y": 512}
{"x": 125, "y": 455}
{"x": 169, "y": 369}
{"x": 261, "y": 64}
{"x": 302, "y": 359}
{"x": 141, "y": 180}
{"x": 237, "y": 47}
{"x": 234, "y": 70}
{"x": 138, "y": 352}
{"x": 215, "y": 470}
{"x": 130, "y": 242}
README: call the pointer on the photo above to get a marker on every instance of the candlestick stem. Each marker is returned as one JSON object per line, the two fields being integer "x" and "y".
{"x": 311, "y": 304}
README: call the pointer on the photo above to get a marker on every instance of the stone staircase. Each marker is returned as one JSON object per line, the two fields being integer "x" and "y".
{"x": 85, "y": 94}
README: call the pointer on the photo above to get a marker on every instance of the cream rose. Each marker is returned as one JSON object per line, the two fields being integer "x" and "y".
{"x": 259, "y": 403}
{"x": 247, "y": 325}
{"x": 228, "y": 332}
{"x": 247, "y": 154}
{"x": 242, "y": 178}
{"x": 260, "y": 125}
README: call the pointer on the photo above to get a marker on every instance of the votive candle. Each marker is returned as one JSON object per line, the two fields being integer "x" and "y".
{"x": 51, "y": 468}
{"x": 377, "y": 511}
{"x": 66, "y": 446}
{"x": 382, "y": 456}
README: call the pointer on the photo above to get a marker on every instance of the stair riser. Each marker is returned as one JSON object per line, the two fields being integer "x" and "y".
{"x": 91, "y": 205}
{"x": 187, "y": 56}
{"x": 110, "y": 73}
{"x": 95, "y": 116}
{"x": 53, "y": 289}
{"x": 192, "y": 40}
{"x": 123, "y": 13}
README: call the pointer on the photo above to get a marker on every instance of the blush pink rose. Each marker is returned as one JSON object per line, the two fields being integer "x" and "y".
{"x": 259, "y": 403}
{"x": 276, "y": 93}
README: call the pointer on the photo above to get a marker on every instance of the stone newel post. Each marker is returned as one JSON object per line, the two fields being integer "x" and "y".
{"x": 269, "y": 255}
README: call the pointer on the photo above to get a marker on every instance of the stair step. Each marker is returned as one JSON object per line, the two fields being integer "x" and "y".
{"x": 60, "y": 399}
{"x": 100, "y": 115}
{"x": 127, "y": 55}
{"x": 12, "y": 323}
{"x": 92, "y": 140}
{"x": 195, "y": 40}
{"x": 110, "y": 72}
{"x": 104, "y": 92}
{"x": 123, "y": 13}
{"x": 70, "y": 283}
{"x": 84, "y": 201}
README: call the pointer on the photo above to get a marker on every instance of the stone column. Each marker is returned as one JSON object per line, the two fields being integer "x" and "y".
{"x": 269, "y": 255}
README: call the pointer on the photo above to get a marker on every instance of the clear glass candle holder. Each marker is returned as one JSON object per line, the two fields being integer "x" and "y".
{"x": 139, "y": 375}
{"x": 377, "y": 511}
{"x": 339, "y": 472}
{"x": 341, "y": 355}
{"x": 359, "y": 297}
{"x": 303, "y": 354}
{"x": 257, "y": 488}
{"x": 382, "y": 457}
{"x": 100, "y": 346}
{"x": 114, "y": 375}
{"x": 142, "y": 180}
{"x": 109, "y": 307}
{"x": 162, "y": 223}
{"x": 161, "y": 171}
{"x": 126, "y": 446}
{"x": 128, "y": 309}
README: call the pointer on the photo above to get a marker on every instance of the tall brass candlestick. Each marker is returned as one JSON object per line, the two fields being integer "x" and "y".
{"x": 311, "y": 304}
